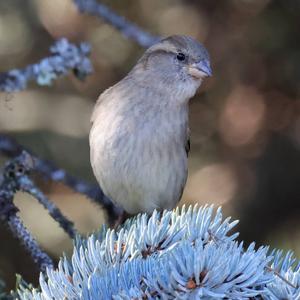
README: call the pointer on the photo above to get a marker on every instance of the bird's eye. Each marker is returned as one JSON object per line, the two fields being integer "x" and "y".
{"x": 180, "y": 56}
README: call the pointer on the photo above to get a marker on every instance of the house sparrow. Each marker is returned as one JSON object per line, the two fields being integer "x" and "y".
{"x": 139, "y": 140}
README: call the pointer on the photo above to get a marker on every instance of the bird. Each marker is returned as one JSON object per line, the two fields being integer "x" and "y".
{"x": 139, "y": 137}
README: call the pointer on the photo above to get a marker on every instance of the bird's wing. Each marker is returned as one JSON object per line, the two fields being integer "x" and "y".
{"x": 187, "y": 147}
{"x": 188, "y": 143}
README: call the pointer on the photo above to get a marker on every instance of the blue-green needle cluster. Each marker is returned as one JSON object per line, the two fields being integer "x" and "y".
{"x": 181, "y": 254}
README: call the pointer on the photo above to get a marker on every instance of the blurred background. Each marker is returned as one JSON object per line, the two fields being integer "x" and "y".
{"x": 245, "y": 120}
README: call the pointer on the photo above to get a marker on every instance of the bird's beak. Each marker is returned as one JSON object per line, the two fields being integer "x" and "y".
{"x": 200, "y": 69}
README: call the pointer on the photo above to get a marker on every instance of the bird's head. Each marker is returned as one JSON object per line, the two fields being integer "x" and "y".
{"x": 178, "y": 63}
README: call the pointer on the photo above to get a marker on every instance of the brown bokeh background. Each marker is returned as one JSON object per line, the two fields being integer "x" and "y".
{"x": 245, "y": 120}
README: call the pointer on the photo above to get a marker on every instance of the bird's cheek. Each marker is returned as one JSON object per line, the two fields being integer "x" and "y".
{"x": 195, "y": 81}
{"x": 191, "y": 87}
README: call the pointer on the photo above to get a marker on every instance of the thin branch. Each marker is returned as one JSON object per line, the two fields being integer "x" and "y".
{"x": 40, "y": 257}
{"x": 281, "y": 277}
{"x": 128, "y": 29}
{"x": 15, "y": 178}
{"x": 26, "y": 185}
{"x": 9, "y": 185}
{"x": 64, "y": 57}
{"x": 49, "y": 171}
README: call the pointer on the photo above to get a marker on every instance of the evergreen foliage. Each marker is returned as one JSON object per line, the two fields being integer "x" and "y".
{"x": 181, "y": 254}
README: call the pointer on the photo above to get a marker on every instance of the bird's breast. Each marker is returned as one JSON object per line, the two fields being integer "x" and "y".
{"x": 140, "y": 154}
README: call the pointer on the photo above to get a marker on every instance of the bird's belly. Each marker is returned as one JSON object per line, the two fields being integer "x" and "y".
{"x": 140, "y": 171}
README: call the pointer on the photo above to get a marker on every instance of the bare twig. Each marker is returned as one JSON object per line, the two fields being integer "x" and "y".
{"x": 15, "y": 178}
{"x": 18, "y": 229}
{"x": 28, "y": 186}
{"x": 64, "y": 57}
{"x": 9, "y": 184}
{"x": 128, "y": 29}
{"x": 280, "y": 276}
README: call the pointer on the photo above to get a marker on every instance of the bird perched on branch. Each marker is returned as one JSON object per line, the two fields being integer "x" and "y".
{"x": 139, "y": 140}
